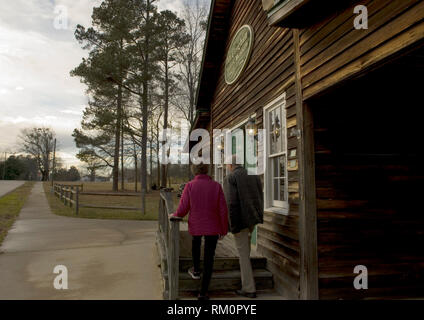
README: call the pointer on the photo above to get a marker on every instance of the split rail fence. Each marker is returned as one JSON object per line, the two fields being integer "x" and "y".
{"x": 70, "y": 194}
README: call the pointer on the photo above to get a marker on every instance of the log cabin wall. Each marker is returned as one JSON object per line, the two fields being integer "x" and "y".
{"x": 333, "y": 50}
{"x": 269, "y": 74}
{"x": 369, "y": 177}
{"x": 356, "y": 224}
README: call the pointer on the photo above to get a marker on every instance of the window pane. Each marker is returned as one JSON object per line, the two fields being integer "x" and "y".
{"x": 283, "y": 189}
{"x": 283, "y": 131}
{"x": 279, "y": 178}
{"x": 282, "y": 165}
{"x": 275, "y": 178}
{"x": 238, "y": 145}
{"x": 276, "y": 195}
{"x": 277, "y": 129}
{"x": 251, "y": 151}
{"x": 271, "y": 133}
{"x": 275, "y": 167}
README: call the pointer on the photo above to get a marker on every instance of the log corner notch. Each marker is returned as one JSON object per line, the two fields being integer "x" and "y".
{"x": 307, "y": 192}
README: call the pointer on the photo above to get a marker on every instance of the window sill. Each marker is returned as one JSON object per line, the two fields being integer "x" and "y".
{"x": 283, "y": 211}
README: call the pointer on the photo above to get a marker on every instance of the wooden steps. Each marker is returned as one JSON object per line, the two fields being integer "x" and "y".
{"x": 231, "y": 295}
{"x": 225, "y": 281}
{"x": 226, "y": 275}
{"x": 224, "y": 264}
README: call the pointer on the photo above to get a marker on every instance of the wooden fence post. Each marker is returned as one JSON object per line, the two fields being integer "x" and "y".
{"x": 71, "y": 197}
{"x": 65, "y": 196}
{"x": 77, "y": 201}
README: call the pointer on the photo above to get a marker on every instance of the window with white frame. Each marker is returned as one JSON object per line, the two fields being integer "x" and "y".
{"x": 220, "y": 167}
{"x": 276, "y": 181}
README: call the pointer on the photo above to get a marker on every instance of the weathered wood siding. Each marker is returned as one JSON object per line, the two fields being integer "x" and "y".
{"x": 354, "y": 222}
{"x": 369, "y": 177}
{"x": 334, "y": 50}
{"x": 330, "y": 53}
{"x": 268, "y": 75}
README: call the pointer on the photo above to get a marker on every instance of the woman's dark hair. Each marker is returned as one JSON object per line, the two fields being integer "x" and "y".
{"x": 201, "y": 168}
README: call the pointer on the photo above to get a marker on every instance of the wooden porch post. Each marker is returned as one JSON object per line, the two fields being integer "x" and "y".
{"x": 307, "y": 191}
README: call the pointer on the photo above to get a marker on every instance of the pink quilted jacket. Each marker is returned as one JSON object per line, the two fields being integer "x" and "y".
{"x": 205, "y": 201}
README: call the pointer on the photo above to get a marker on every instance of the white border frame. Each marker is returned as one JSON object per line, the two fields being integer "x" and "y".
{"x": 268, "y": 205}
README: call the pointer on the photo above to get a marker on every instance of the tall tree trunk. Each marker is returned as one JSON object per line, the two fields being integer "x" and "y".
{"x": 135, "y": 168}
{"x": 144, "y": 150}
{"x": 157, "y": 157}
{"x": 122, "y": 156}
{"x": 165, "y": 121}
{"x": 144, "y": 112}
{"x": 151, "y": 158}
{"x": 117, "y": 140}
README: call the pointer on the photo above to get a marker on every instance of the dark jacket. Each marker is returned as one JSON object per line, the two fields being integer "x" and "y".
{"x": 245, "y": 199}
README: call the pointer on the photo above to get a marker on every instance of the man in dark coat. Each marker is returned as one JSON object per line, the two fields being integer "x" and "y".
{"x": 244, "y": 196}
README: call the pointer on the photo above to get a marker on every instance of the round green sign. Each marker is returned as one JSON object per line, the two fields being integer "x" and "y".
{"x": 238, "y": 54}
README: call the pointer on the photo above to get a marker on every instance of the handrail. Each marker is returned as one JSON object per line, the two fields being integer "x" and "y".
{"x": 169, "y": 229}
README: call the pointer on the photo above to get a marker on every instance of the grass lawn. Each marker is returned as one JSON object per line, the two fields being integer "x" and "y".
{"x": 10, "y": 206}
{"x": 152, "y": 203}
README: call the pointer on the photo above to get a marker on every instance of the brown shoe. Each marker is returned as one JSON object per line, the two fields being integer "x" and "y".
{"x": 251, "y": 295}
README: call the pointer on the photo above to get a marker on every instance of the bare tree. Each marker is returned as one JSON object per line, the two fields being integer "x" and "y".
{"x": 195, "y": 15}
{"x": 39, "y": 143}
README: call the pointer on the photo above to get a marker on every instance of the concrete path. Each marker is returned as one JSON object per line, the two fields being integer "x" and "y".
{"x": 7, "y": 186}
{"x": 106, "y": 259}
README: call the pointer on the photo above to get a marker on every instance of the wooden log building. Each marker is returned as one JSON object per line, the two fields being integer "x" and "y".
{"x": 341, "y": 106}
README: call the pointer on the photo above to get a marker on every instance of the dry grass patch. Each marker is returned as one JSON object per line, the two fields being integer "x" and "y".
{"x": 10, "y": 206}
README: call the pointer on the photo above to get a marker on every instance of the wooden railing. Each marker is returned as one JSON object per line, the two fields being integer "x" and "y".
{"x": 169, "y": 231}
{"x": 69, "y": 194}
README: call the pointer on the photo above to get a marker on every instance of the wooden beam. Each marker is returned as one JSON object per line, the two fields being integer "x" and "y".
{"x": 284, "y": 10}
{"x": 307, "y": 193}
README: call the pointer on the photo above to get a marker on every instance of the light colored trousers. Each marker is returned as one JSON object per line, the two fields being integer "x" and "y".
{"x": 242, "y": 240}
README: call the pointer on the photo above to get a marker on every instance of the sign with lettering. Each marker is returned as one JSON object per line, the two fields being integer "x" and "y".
{"x": 239, "y": 54}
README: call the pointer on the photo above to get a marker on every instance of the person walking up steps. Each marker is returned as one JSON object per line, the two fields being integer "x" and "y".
{"x": 208, "y": 218}
{"x": 244, "y": 196}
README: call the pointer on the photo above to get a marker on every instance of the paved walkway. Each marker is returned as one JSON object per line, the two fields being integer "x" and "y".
{"x": 106, "y": 259}
{"x": 7, "y": 186}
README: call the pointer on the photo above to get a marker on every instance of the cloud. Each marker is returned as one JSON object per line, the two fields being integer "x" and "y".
{"x": 173, "y": 5}
{"x": 76, "y": 111}
{"x": 35, "y": 60}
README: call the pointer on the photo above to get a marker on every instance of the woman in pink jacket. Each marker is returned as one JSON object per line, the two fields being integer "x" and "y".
{"x": 208, "y": 218}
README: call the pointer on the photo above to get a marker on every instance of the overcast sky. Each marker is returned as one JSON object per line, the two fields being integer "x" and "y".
{"x": 35, "y": 61}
